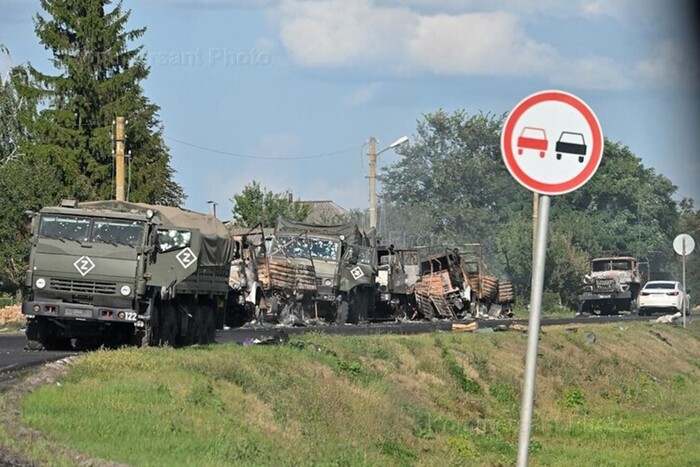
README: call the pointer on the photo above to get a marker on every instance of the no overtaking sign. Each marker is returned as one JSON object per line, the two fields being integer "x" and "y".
{"x": 552, "y": 142}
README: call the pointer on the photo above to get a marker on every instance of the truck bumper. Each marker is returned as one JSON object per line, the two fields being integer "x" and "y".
{"x": 79, "y": 312}
{"x": 605, "y": 296}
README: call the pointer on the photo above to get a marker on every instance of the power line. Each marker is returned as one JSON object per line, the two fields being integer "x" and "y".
{"x": 248, "y": 156}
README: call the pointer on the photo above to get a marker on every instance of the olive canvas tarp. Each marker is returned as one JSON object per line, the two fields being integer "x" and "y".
{"x": 353, "y": 235}
{"x": 217, "y": 245}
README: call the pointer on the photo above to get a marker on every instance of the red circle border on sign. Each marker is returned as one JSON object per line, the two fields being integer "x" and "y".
{"x": 596, "y": 148}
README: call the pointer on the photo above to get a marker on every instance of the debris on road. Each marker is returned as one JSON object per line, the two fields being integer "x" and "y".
{"x": 668, "y": 319}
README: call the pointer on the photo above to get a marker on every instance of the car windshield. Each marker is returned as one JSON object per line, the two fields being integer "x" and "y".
{"x": 660, "y": 285}
{"x": 88, "y": 229}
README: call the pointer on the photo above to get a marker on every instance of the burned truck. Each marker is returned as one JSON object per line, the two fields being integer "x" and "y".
{"x": 114, "y": 273}
{"x": 442, "y": 289}
{"x": 319, "y": 272}
{"x": 397, "y": 272}
{"x": 613, "y": 285}
{"x": 453, "y": 285}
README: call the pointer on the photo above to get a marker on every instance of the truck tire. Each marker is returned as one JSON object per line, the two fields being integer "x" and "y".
{"x": 40, "y": 337}
{"x": 342, "y": 312}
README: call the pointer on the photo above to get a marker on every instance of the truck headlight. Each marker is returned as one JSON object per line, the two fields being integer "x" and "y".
{"x": 40, "y": 283}
{"x": 125, "y": 290}
{"x": 328, "y": 282}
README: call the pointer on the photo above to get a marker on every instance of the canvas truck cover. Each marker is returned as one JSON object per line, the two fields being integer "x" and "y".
{"x": 353, "y": 235}
{"x": 217, "y": 244}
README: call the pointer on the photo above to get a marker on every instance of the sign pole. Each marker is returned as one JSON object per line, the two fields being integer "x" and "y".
{"x": 533, "y": 331}
{"x": 685, "y": 297}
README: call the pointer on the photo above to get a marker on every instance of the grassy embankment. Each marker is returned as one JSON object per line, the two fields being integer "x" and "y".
{"x": 630, "y": 398}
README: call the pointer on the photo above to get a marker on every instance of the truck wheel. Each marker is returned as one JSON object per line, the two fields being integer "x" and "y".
{"x": 342, "y": 312}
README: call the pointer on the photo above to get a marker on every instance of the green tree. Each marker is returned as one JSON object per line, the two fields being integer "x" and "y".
{"x": 451, "y": 183}
{"x": 25, "y": 182}
{"x": 257, "y": 205}
{"x": 98, "y": 78}
{"x": 452, "y": 187}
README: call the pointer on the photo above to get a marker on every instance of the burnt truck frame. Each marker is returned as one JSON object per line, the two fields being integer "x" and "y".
{"x": 395, "y": 280}
{"x": 114, "y": 273}
{"x": 315, "y": 271}
{"x": 613, "y": 285}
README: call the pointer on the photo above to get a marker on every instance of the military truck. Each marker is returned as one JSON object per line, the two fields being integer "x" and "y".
{"x": 246, "y": 299}
{"x": 395, "y": 280}
{"x": 442, "y": 289}
{"x": 319, "y": 272}
{"x": 113, "y": 273}
{"x": 613, "y": 285}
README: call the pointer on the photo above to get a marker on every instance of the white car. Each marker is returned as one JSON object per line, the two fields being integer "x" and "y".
{"x": 664, "y": 296}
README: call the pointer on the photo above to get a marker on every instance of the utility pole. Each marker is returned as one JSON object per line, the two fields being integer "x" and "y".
{"x": 119, "y": 155}
{"x": 372, "y": 183}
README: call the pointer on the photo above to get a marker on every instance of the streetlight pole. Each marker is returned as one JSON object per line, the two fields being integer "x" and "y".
{"x": 372, "y": 183}
{"x": 373, "y": 175}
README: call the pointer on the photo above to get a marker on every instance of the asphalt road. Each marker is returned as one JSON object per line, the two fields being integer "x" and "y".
{"x": 14, "y": 359}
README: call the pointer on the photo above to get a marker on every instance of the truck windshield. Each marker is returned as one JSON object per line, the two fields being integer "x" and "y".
{"x": 303, "y": 247}
{"x": 88, "y": 229}
{"x": 609, "y": 265}
{"x": 324, "y": 249}
{"x": 122, "y": 232}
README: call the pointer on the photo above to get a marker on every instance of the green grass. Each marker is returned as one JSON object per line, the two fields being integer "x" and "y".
{"x": 441, "y": 399}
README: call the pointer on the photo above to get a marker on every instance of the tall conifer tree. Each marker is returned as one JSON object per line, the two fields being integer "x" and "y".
{"x": 99, "y": 78}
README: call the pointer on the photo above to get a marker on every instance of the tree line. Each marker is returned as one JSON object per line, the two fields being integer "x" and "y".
{"x": 56, "y": 139}
{"x": 452, "y": 184}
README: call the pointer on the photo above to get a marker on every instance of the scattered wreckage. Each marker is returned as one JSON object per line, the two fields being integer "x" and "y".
{"x": 313, "y": 274}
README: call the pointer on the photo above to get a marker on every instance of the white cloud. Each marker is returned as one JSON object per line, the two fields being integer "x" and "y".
{"x": 450, "y": 37}
{"x": 476, "y": 44}
{"x": 340, "y": 33}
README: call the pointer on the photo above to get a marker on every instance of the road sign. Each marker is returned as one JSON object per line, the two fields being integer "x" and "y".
{"x": 552, "y": 142}
{"x": 683, "y": 244}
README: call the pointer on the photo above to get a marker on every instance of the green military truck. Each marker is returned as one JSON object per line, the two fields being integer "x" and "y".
{"x": 114, "y": 273}
{"x": 324, "y": 272}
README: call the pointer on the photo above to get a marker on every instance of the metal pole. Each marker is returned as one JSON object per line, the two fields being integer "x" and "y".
{"x": 685, "y": 296}
{"x": 535, "y": 200}
{"x": 372, "y": 183}
{"x": 533, "y": 332}
{"x": 119, "y": 155}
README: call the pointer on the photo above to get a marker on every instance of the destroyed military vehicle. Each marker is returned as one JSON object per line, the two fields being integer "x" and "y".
{"x": 397, "y": 272}
{"x": 453, "y": 285}
{"x": 113, "y": 272}
{"x": 613, "y": 285}
{"x": 319, "y": 272}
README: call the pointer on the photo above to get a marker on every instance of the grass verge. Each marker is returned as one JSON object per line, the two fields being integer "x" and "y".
{"x": 630, "y": 398}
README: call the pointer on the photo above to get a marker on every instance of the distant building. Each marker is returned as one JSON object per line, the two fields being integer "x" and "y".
{"x": 324, "y": 212}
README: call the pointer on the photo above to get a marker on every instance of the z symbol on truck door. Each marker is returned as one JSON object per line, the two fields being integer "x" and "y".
{"x": 84, "y": 265}
{"x": 186, "y": 257}
{"x": 357, "y": 272}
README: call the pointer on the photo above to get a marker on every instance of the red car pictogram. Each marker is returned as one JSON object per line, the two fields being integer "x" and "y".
{"x": 532, "y": 138}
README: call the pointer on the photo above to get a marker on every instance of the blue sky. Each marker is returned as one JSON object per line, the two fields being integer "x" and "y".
{"x": 277, "y": 78}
